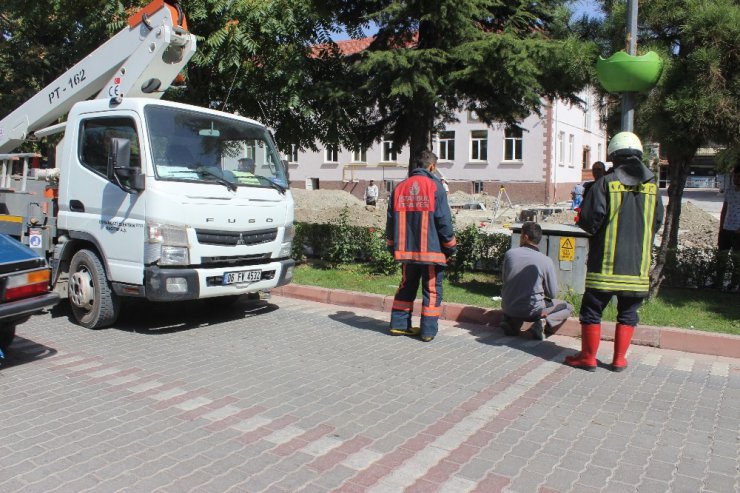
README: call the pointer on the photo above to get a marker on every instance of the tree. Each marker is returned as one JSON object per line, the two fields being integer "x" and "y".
{"x": 696, "y": 100}
{"x": 429, "y": 59}
{"x": 40, "y": 40}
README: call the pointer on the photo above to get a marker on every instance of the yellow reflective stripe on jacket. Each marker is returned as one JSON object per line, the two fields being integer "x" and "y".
{"x": 610, "y": 238}
{"x": 651, "y": 191}
{"x": 617, "y": 277}
{"x": 617, "y": 283}
{"x": 610, "y": 286}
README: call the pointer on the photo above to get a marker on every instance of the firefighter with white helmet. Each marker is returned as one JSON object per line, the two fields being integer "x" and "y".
{"x": 622, "y": 212}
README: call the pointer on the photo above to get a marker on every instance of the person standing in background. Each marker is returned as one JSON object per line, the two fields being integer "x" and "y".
{"x": 419, "y": 234}
{"x": 371, "y": 193}
{"x": 729, "y": 220}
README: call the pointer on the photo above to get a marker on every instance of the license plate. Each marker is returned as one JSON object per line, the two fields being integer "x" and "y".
{"x": 243, "y": 276}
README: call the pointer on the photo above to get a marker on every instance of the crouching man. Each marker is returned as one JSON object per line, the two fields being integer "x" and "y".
{"x": 530, "y": 285}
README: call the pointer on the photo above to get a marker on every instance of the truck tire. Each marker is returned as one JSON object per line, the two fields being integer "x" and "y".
{"x": 93, "y": 302}
{"x": 7, "y": 334}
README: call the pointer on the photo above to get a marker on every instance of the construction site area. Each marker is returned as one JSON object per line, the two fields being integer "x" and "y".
{"x": 490, "y": 213}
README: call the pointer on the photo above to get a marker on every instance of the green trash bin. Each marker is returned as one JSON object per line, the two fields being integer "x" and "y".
{"x": 567, "y": 246}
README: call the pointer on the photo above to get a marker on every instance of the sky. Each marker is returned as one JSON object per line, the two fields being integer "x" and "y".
{"x": 588, "y": 7}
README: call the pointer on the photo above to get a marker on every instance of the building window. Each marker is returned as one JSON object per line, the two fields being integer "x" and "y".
{"x": 446, "y": 146}
{"x": 599, "y": 149}
{"x": 571, "y": 150}
{"x": 389, "y": 186}
{"x": 359, "y": 156}
{"x": 477, "y": 187}
{"x": 587, "y": 113}
{"x": 389, "y": 155}
{"x": 513, "y": 144}
{"x": 479, "y": 145}
{"x": 331, "y": 153}
{"x": 293, "y": 153}
{"x": 561, "y": 148}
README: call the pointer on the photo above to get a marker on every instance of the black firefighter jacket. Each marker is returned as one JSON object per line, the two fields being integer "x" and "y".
{"x": 622, "y": 211}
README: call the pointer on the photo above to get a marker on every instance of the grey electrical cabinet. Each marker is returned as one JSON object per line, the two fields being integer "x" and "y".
{"x": 567, "y": 246}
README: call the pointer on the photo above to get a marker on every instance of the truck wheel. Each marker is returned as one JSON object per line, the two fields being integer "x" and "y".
{"x": 94, "y": 304}
{"x": 7, "y": 334}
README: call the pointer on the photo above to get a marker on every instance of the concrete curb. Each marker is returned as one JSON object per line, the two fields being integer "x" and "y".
{"x": 692, "y": 341}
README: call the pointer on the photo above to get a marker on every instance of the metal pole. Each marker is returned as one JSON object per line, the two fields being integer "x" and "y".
{"x": 628, "y": 98}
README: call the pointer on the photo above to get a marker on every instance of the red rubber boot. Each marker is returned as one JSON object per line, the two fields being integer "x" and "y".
{"x": 622, "y": 339}
{"x": 590, "y": 338}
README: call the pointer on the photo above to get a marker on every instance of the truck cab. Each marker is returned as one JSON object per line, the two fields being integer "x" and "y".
{"x": 151, "y": 204}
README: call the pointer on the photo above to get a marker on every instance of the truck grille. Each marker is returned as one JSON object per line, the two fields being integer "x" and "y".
{"x": 232, "y": 238}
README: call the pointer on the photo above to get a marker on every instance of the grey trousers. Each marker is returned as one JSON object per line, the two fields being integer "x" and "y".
{"x": 556, "y": 312}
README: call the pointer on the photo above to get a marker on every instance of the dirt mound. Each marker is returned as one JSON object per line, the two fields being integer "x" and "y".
{"x": 325, "y": 206}
{"x": 697, "y": 228}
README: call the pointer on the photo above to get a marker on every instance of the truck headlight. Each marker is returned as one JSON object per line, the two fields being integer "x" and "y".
{"x": 285, "y": 249}
{"x": 167, "y": 234}
{"x": 289, "y": 232}
{"x": 287, "y": 244}
{"x": 174, "y": 255}
{"x": 166, "y": 244}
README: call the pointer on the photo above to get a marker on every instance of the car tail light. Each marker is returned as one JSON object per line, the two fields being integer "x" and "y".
{"x": 27, "y": 284}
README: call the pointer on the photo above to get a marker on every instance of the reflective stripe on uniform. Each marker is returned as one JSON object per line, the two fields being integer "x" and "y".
{"x": 651, "y": 197}
{"x": 610, "y": 238}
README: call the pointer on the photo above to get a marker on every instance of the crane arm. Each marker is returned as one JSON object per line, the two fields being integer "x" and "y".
{"x": 141, "y": 60}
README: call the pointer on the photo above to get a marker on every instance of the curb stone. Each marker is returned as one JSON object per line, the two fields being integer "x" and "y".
{"x": 692, "y": 341}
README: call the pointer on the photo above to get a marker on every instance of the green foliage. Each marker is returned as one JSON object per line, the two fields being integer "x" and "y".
{"x": 379, "y": 260}
{"x": 430, "y": 59}
{"x": 703, "y": 268}
{"x": 468, "y": 253}
{"x": 477, "y": 251}
{"x": 343, "y": 247}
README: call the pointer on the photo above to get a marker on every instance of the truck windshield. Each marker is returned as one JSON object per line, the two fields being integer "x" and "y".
{"x": 192, "y": 146}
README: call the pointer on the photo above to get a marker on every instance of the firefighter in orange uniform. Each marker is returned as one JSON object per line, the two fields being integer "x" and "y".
{"x": 420, "y": 235}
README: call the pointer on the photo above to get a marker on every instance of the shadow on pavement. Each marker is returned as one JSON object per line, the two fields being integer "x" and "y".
{"x": 545, "y": 349}
{"x": 360, "y": 322}
{"x": 143, "y": 317}
{"x": 23, "y": 351}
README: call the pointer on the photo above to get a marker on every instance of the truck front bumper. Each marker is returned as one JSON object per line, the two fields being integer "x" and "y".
{"x": 178, "y": 284}
{"x": 17, "y": 311}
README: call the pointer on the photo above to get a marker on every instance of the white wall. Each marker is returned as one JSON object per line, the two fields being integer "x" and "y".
{"x": 571, "y": 120}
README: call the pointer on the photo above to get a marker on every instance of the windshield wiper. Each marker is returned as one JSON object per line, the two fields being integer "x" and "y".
{"x": 274, "y": 185}
{"x": 220, "y": 179}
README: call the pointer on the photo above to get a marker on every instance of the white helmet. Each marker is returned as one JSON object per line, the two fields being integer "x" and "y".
{"x": 624, "y": 143}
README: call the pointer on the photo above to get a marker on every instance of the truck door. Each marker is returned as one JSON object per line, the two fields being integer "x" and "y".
{"x": 99, "y": 209}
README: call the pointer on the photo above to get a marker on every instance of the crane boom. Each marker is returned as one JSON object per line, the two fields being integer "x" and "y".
{"x": 141, "y": 60}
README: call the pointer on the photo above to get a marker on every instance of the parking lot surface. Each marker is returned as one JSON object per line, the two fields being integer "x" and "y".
{"x": 287, "y": 395}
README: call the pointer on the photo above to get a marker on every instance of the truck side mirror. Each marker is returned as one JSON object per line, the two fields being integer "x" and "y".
{"x": 119, "y": 166}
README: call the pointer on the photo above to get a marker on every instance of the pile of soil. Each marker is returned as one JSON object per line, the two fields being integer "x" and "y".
{"x": 697, "y": 228}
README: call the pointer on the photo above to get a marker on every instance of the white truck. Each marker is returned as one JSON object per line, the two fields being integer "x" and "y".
{"x": 145, "y": 199}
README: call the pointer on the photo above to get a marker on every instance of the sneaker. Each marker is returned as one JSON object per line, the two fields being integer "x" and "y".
{"x": 413, "y": 331}
{"x": 508, "y": 330}
{"x": 427, "y": 338}
{"x": 537, "y": 330}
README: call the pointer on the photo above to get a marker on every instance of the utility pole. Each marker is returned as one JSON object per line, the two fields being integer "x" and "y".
{"x": 628, "y": 98}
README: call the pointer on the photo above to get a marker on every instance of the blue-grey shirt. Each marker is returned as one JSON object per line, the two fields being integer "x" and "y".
{"x": 529, "y": 277}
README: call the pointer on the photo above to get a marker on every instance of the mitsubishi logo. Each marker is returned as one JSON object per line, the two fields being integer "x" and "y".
{"x": 241, "y": 240}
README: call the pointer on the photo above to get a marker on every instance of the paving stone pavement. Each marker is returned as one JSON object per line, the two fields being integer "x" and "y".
{"x": 287, "y": 395}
